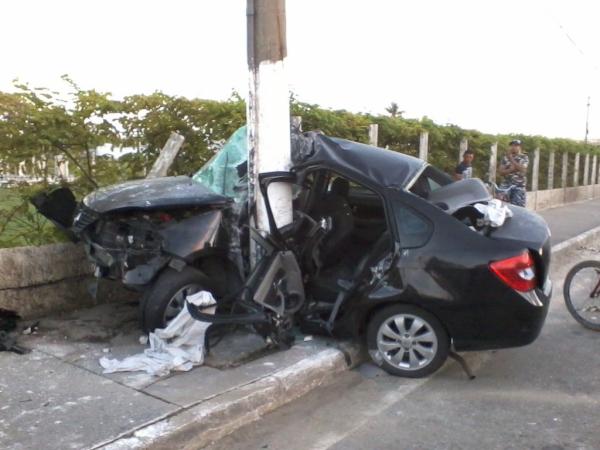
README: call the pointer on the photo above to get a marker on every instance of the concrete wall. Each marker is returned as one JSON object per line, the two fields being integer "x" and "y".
{"x": 552, "y": 198}
{"x": 36, "y": 281}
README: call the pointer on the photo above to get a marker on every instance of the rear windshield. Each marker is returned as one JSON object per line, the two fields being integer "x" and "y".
{"x": 430, "y": 180}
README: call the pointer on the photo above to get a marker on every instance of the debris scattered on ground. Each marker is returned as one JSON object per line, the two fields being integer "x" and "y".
{"x": 8, "y": 323}
{"x": 588, "y": 249}
{"x": 179, "y": 346}
{"x": 32, "y": 329}
{"x": 8, "y": 320}
{"x": 8, "y": 344}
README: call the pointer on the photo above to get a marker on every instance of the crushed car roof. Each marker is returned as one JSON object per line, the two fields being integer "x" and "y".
{"x": 361, "y": 162}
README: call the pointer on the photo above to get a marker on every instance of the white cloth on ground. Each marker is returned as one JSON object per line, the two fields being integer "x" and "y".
{"x": 179, "y": 346}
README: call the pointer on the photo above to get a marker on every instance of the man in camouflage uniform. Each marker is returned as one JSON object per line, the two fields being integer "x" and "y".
{"x": 513, "y": 167}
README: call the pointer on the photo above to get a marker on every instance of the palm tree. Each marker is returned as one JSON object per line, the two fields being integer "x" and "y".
{"x": 394, "y": 110}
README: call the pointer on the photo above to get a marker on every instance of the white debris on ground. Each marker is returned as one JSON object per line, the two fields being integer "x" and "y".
{"x": 179, "y": 346}
{"x": 494, "y": 213}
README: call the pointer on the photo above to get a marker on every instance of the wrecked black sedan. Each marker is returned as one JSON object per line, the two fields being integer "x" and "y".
{"x": 382, "y": 245}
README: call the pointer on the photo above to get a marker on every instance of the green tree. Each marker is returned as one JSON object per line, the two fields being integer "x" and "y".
{"x": 39, "y": 123}
{"x": 148, "y": 120}
{"x": 394, "y": 110}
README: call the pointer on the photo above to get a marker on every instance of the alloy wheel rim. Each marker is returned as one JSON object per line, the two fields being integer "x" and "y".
{"x": 407, "y": 342}
{"x": 177, "y": 302}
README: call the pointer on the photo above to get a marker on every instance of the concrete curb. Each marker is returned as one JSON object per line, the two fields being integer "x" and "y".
{"x": 206, "y": 422}
{"x": 564, "y": 249}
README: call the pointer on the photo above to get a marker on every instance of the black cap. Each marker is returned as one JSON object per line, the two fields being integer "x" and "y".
{"x": 516, "y": 142}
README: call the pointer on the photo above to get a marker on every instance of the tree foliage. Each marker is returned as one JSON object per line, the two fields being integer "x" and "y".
{"x": 108, "y": 140}
{"x": 394, "y": 110}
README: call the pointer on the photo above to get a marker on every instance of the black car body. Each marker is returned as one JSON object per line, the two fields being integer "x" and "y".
{"x": 381, "y": 243}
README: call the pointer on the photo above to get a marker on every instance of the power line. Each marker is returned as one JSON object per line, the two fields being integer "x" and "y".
{"x": 573, "y": 42}
{"x": 587, "y": 60}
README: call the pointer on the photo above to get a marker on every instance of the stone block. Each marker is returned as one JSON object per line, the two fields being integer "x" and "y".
{"x": 30, "y": 266}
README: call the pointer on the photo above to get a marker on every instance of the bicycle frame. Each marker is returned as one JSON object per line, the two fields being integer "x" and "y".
{"x": 500, "y": 193}
{"x": 596, "y": 291}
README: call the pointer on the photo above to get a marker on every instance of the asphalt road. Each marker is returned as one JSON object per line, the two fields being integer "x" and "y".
{"x": 544, "y": 396}
{"x": 571, "y": 220}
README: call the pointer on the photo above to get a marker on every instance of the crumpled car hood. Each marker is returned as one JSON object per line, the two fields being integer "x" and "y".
{"x": 155, "y": 193}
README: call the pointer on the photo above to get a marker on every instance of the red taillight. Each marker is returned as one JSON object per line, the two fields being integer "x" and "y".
{"x": 517, "y": 272}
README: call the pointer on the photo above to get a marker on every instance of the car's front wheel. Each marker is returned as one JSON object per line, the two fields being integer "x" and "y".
{"x": 166, "y": 297}
{"x": 407, "y": 341}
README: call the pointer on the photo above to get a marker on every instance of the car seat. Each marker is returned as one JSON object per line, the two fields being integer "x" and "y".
{"x": 335, "y": 206}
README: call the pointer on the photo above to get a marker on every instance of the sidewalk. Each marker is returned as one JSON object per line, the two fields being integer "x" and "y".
{"x": 572, "y": 220}
{"x": 57, "y": 398}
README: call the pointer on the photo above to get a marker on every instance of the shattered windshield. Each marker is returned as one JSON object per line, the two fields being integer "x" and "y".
{"x": 220, "y": 173}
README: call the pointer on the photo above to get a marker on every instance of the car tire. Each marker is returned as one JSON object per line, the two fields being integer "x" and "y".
{"x": 407, "y": 341}
{"x": 568, "y": 295}
{"x": 166, "y": 296}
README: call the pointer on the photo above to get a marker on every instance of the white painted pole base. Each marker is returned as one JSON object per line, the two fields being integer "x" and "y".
{"x": 272, "y": 140}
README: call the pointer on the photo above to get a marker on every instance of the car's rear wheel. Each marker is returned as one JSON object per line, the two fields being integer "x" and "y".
{"x": 407, "y": 341}
{"x": 166, "y": 297}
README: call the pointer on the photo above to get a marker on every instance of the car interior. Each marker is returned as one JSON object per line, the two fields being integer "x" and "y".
{"x": 352, "y": 233}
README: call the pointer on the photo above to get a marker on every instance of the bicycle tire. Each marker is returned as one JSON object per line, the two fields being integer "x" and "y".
{"x": 567, "y": 294}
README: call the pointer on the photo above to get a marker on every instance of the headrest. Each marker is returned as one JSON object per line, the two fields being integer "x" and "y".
{"x": 340, "y": 187}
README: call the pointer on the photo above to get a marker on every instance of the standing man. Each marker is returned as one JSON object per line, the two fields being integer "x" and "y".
{"x": 513, "y": 167}
{"x": 465, "y": 169}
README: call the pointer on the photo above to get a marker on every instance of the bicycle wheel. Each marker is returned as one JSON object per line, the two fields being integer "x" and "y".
{"x": 582, "y": 293}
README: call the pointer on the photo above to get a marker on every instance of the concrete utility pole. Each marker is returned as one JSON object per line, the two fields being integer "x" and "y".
{"x": 587, "y": 121}
{"x": 493, "y": 162}
{"x": 268, "y": 107}
{"x": 565, "y": 168}
{"x": 463, "y": 147}
{"x": 535, "y": 175}
{"x": 550, "y": 179}
{"x": 586, "y": 169}
{"x": 424, "y": 145}
{"x": 373, "y": 134}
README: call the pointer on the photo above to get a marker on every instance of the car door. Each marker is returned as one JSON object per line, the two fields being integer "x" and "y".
{"x": 411, "y": 231}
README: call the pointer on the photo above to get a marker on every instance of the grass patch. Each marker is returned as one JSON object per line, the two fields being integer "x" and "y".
{"x": 20, "y": 223}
